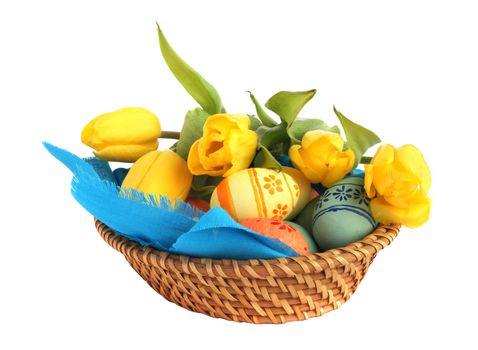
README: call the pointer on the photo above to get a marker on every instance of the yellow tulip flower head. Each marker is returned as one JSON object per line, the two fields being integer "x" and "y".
{"x": 320, "y": 157}
{"x": 124, "y": 135}
{"x": 227, "y": 146}
{"x": 399, "y": 181}
{"x": 160, "y": 173}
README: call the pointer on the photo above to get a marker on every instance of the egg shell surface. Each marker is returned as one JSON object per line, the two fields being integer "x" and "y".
{"x": 281, "y": 231}
{"x": 304, "y": 187}
{"x": 257, "y": 193}
{"x": 342, "y": 215}
{"x": 313, "y": 194}
{"x": 307, "y": 236}
{"x": 199, "y": 204}
{"x": 306, "y": 216}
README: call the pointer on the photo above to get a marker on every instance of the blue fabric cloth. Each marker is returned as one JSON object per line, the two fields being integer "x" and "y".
{"x": 102, "y": 169}
{"x": 356, "y": 173}
{"x": 120, "y": 174}
{"x": 174, "y": 227}
{"x": 284, "y": 160}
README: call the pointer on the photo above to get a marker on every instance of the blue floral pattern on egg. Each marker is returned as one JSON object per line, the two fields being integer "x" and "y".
{"x": 342, "y": 215}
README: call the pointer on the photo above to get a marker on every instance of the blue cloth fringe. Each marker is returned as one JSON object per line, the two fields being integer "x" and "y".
{"x": 155, "y": 221}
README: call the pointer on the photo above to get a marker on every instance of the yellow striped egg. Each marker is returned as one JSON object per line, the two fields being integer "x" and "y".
{"x": 257, "y": 193}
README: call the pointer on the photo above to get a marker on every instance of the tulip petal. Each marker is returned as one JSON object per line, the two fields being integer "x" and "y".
{"x": 311, "y": 137}
{"x": 127, "y": 125}
{"x": 123, "y": 135}
{"x": 382, "y": 168}
{"x": 227, "y": 145}
{"x": 88, "y": 136}
{"x": 320, "y": 158}
{"x": 409, "y": 157}
{"x": 212, "y": 153}
{"x": 384, "y": 156}
{"x": 194, "y": 164}
{"x": 223, "y": 123}
{"x": 368, "y": 181}
{"x": 402, "y": 192}
{"x": 413, "y": 216}
{"x": 196, "y": 167}
{"x": 295, "y": 154}
{"x": 246, "y": 142}
{"x": 341, "y": 167}
{"x": 125, "y": 153}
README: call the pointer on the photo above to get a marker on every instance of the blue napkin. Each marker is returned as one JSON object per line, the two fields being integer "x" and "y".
{"x": 120, "y": 174}
{"x": 174, "y": 227}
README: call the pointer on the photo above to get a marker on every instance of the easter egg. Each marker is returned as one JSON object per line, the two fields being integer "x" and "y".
{"x": 306, "y": 216}
{"x": 304, "y": 189}
{"x": 257, "y": 193}
{"x": 199, "y": 204}
{"x": 308, "y": 236}
{"x": 342, "y": 215}
{"x": 313, "y": 194}
{"x": 281, "y": 231}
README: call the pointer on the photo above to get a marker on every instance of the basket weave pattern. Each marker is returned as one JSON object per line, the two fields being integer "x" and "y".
{"x": 258, "y": 290}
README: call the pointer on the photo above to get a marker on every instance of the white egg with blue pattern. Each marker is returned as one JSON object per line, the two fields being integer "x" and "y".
{"x": 342, "y": 214}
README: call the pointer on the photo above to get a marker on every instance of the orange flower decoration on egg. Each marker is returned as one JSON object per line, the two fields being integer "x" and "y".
{"x": 283, "y": 226}
{"x": 280, "y": 212}
{"x": 273, "y": 184}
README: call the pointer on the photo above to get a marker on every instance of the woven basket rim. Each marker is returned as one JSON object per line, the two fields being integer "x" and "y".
{"x": 364, "y": 249}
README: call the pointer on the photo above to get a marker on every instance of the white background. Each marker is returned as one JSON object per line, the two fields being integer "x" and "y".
{"x": 406, "y": 69}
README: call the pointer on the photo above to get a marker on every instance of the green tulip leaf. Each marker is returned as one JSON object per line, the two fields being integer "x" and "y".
{"x": 300, "y": 126}
{"x": 359, "y": 139}
{"x": 191, "y": 131}
{"x": 174, "y": 147}
{"x": 203, "y": 186}
{"x": 269, "y": 136}
{"x": 261, "y": 113}
{"x": 288, "y": 104}
{"x": 203, "y": 92}
{"x": 255, "y": 123}
{"x": 265, "y": 159}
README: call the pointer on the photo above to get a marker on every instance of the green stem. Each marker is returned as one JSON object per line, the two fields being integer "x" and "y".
{"x": 365, "y": 160}
{"x": 170, "y": 135}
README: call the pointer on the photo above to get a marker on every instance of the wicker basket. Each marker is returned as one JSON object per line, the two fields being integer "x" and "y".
{"x": 258, "y": 290}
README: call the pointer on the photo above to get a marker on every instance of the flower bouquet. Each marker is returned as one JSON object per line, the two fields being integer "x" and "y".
{"x": 264, "y": 218}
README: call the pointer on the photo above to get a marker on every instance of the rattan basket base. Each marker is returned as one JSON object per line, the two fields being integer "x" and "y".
{"x": 255, "y": 291}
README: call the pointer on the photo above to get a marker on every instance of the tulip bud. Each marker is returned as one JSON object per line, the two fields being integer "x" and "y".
{"x": 160, "y": 173}
{"x": 123, "y": 135}
{"x": 227, "y": 146}
{"x": 320, "y": 157}
{"x": 398, "y": 180}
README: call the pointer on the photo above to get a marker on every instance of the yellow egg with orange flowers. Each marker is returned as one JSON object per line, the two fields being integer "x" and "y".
{"x": 305, "y": 189}
{"x": 257, "y": 193}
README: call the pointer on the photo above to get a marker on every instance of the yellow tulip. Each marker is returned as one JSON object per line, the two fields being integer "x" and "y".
{"x": 320, "y": 157}
{"x": 227, "y": 146}
{"x": 399, "y": 181}
{"x": 160, "y": 173}
{"x": 123, "y": 135}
